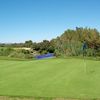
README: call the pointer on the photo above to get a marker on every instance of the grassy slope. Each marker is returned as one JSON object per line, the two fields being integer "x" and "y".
{"x": 50, "y": 78}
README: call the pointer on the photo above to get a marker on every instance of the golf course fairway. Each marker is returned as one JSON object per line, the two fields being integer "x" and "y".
{"x": 56, "y": 77}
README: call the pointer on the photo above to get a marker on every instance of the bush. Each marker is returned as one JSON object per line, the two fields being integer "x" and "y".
{"x": 17, "y": 55}
{"x": 5, "y": 51}
{"x": 57, "y": 53}
{"x": 25, "y": 51}
{"x": 44, "y": 52}
{"x": 51, "y": 49}
{"x": 28, "y": 56}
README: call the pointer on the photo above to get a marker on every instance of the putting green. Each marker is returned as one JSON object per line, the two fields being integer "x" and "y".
{"x": 50, "y": 78}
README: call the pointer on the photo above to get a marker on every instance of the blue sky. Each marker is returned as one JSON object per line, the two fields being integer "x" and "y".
{"x": 35, "y": 20}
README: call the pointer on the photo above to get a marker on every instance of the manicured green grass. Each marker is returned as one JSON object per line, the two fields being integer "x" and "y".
{"x": 67, "y": 78}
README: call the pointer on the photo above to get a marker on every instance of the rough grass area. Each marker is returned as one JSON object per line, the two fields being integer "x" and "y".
{"x": 15, "y": 59}
{"x": 50, "y": 78}
{"x": 40, "y": 98}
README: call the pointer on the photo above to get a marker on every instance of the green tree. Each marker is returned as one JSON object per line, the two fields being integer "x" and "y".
{"x": 28, "y": 43}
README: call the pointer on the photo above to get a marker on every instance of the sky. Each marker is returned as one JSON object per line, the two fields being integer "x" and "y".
{"x": 36, "y": 20}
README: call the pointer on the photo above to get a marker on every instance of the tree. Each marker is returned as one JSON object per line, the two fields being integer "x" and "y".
{"x": 70, "y": 42}
{"x": 28, "y": 43}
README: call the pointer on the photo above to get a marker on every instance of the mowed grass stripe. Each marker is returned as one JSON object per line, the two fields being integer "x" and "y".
{"x": 50, "y": 78}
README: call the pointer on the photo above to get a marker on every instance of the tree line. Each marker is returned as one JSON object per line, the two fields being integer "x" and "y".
{"x": 71, "y": 41}
{"x": 68, "y": 44}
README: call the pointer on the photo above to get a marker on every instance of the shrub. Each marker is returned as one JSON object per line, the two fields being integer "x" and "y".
{"x": 17, "y": 55}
